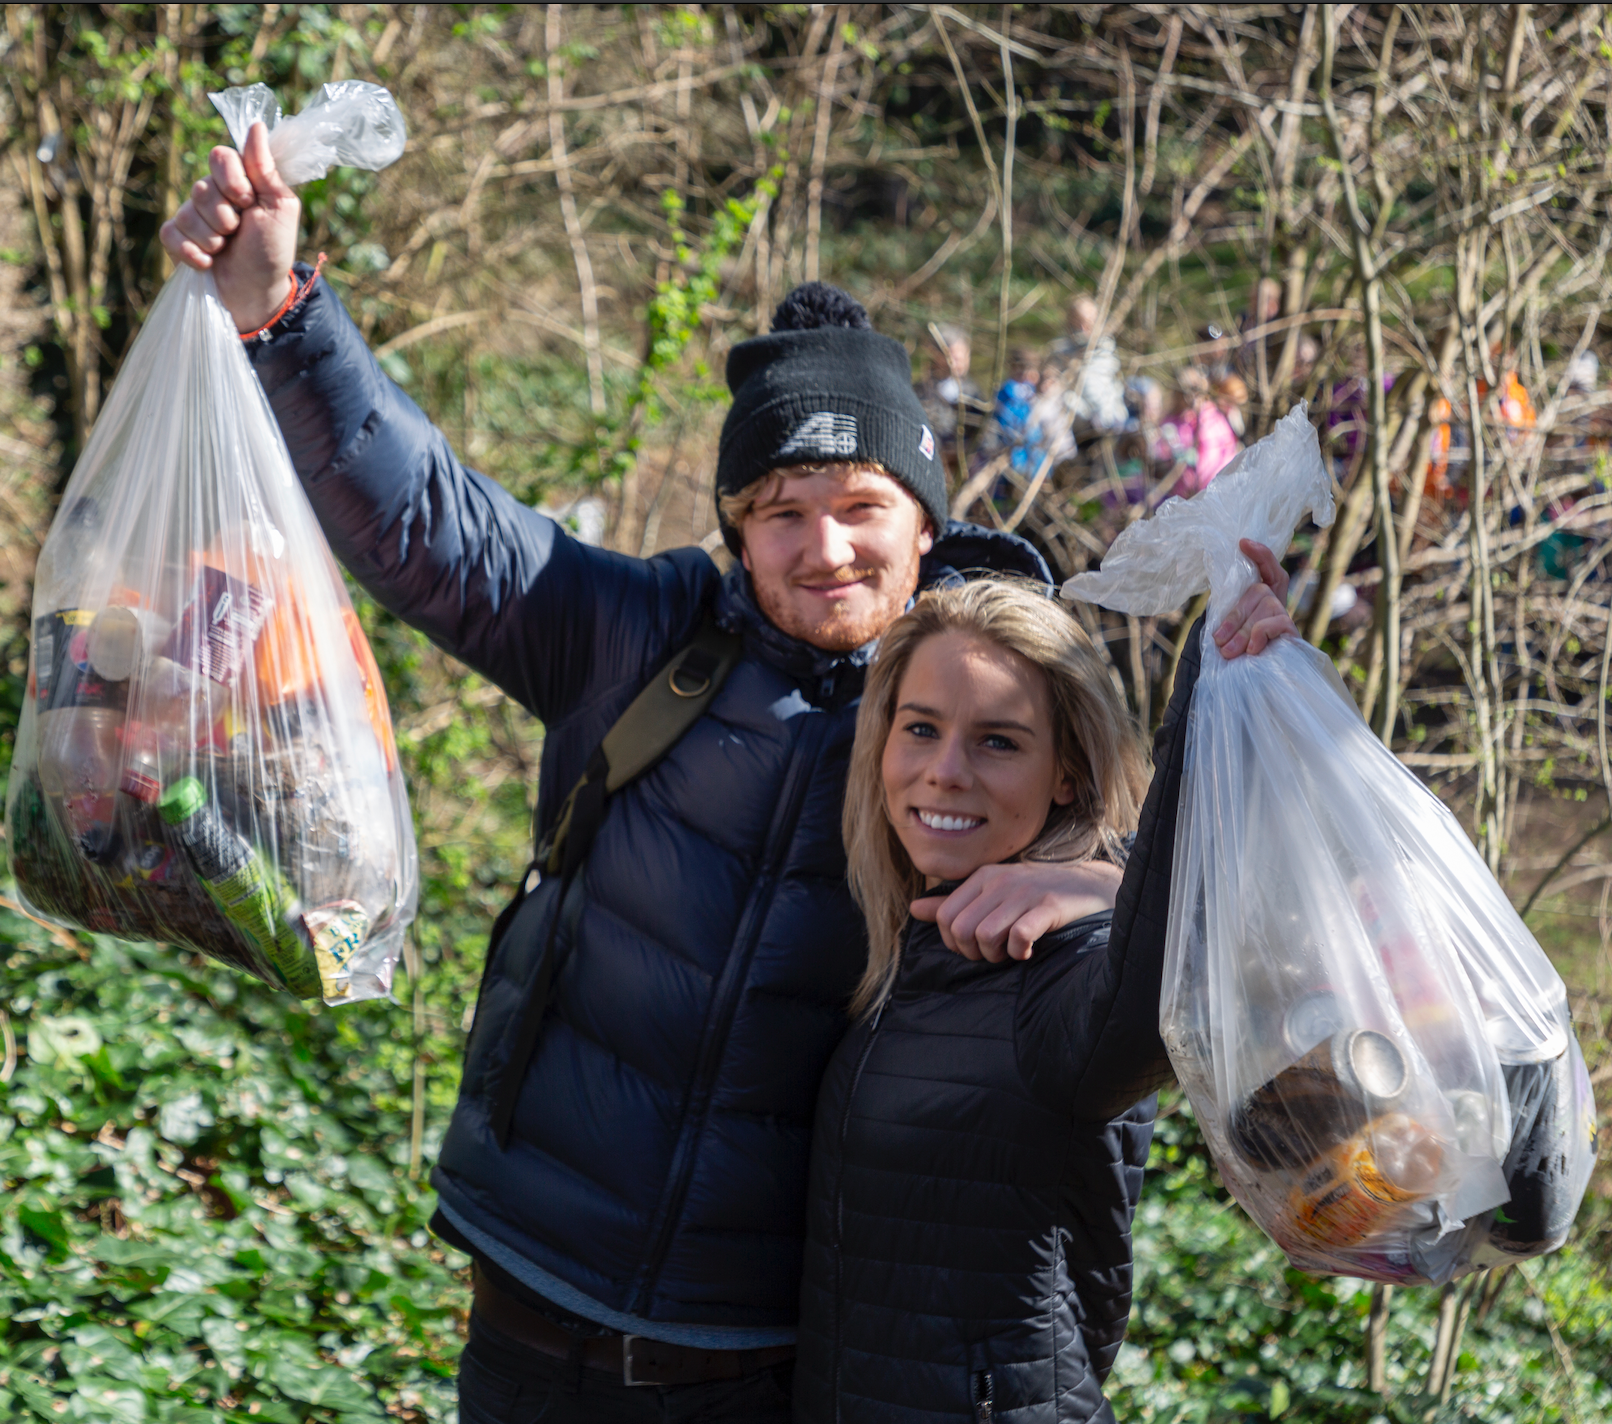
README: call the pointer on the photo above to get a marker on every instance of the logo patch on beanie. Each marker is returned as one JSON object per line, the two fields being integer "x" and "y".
{"x": 926, "y": 444}
{"x": 823, "y": 436}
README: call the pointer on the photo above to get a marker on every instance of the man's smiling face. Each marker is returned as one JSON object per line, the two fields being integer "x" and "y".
{"x": 832, "y": 551}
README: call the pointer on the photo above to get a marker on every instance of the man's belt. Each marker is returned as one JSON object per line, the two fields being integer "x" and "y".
{"x": 634, "y": 1358}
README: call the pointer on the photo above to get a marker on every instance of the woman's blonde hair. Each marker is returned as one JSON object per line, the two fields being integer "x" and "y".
{"x": 1095, "y": 741}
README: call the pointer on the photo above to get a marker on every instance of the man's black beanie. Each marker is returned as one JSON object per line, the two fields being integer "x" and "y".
{"x": 823, "y": 386}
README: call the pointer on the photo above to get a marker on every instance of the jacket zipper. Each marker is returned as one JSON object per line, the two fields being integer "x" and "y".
{"x": 736, "y": 972}
{"x": 984, "y": 1397}
{"x": 839, "y": 1201}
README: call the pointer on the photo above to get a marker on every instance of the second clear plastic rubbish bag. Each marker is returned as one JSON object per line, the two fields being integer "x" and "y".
{"x": 206, "y": 757}
{"x": 1378, "y": 1051}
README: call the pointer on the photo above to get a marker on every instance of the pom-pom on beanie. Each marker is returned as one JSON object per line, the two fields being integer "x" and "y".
{"x": 824, "y": 386}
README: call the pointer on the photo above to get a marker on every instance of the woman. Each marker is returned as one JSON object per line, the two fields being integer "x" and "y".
{"x": 981, "y": 1131}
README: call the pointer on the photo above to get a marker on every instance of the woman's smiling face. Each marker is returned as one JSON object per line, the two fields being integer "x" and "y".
{"x": 970, "y": 766}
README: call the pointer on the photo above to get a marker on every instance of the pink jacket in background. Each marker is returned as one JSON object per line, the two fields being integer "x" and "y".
{"x": 1217, "y": 443}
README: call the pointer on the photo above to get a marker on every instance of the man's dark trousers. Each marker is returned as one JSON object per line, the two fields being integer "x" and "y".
{"x": 502, "y": 1381}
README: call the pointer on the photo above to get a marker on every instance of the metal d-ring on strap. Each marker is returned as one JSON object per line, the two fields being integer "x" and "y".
{"x": 702, "y": 660}
{"x": 687, "y": 667}
{"x": 649, "y": 728}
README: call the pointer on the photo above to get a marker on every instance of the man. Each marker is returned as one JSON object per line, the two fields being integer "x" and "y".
{"x": 630, "y": 1178}
{"x": 950, "y": 392}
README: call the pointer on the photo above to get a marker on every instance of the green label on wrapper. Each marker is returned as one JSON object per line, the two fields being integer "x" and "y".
{"x": 336, "y": 933}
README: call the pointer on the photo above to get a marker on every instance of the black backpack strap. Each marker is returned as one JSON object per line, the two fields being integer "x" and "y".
{"x": 674, "y": 700}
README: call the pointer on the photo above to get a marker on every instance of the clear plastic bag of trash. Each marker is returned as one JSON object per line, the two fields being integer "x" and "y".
{"x": 206, "y": 757}
{"x": 1378, "y": 1050}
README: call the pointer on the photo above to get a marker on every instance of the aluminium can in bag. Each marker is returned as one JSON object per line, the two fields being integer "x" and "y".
{"x": 1379, "y": 1052}
{"x": 206, "y": 756}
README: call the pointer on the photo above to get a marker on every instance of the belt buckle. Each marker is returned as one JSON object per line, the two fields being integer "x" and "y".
{"x": 626, "y": 1363}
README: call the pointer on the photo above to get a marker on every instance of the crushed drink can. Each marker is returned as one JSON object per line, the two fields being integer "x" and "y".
{"x": 1357, "y": 1187}
{"x": 216, "y": 632}
{"x": 1312, "y": 1105}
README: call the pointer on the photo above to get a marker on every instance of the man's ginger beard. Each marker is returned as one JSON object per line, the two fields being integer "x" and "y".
{"x": 843, "y": 628}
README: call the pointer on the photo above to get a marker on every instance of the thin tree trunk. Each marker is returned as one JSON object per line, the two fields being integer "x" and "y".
{"x": 1448, "y": 1305}
{"x": 825, "y": 121}
{"x": 1385, "y": 651}
{"x": 573, "y": 223}
{"x": 1382, "y": 1296}
{"x": 1005, "y": 292}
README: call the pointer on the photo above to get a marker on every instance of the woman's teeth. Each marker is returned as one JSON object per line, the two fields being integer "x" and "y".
{"x": 948, "y": 823}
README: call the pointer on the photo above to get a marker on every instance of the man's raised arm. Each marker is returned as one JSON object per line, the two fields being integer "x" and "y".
{"x": 442, "y": 546}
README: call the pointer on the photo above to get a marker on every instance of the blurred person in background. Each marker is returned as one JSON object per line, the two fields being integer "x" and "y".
{"x": 1307, "y": 351}
{"x": 1011, "y": 429}
{"x": 1216, "y": 440}
{"x": 1437, "y": 484}
{"x": 1197, "y": 439}
{"x": 950, "y": 391}
{"x": 1051, "y": 425}
{"x": 1231, "y": 395}
{"x": 1095, "y": 394}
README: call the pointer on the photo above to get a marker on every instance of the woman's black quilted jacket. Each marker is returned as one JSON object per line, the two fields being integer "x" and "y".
{"x": 977, "y": 1160}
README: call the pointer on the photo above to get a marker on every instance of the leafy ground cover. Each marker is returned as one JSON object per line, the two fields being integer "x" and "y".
{"x": 209, "y": 1214}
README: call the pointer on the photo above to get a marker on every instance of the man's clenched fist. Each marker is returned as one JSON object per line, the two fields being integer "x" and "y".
{"x": 240, "y": 224}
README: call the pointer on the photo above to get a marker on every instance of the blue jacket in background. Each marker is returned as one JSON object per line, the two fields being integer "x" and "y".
{"x": 655, "y": 1175}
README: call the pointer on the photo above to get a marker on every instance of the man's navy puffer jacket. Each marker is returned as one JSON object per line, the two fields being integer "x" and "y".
{"x": 654, "y": 1178}
{"x": 978, "y": 1159}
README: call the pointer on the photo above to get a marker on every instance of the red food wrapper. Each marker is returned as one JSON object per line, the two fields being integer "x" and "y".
{"x": 215, "y": 634}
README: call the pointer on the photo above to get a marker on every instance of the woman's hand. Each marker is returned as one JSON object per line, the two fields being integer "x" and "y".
{"x": 1000, "y": 911}
{"x": 240, "y": 224}
{"x": 1260, "y": 617}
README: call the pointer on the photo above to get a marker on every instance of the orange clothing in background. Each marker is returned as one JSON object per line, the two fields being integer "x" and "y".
{"x": 1516, "y": 406}
{"x": 1437, "y": 483}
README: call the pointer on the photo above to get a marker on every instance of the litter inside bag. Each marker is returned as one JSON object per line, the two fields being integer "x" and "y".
{"x": 206, "y": 757}
{"x": 1380, "y": 1054}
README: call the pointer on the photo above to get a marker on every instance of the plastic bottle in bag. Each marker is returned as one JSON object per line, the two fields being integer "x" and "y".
{"x": 246, "y": 888}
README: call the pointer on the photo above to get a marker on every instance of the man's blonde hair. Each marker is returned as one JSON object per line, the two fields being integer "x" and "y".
{"x": 735, "y": 508}
{"x": 1094, "y": 737}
